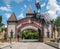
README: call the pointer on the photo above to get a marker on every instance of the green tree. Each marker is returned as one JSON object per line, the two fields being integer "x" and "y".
{"x": 57, "y": 22}
{"x": 30, "y": 34}
{"x": 1, "y": 24}
{"x": 0, "y": 19}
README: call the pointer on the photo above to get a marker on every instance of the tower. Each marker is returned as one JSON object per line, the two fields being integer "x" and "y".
{"x": 38, "y": 8}
{"x": 30, "y": 13}
{"x": 11, "y": 24}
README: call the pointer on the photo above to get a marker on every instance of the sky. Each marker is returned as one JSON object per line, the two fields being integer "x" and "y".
{"x": 20, "y": 7}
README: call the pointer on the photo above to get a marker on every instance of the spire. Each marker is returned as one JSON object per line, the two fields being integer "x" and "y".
{"x": 29, "y": 13}
{"x": 12, "y": 17}
{"x": 30, "y": 10}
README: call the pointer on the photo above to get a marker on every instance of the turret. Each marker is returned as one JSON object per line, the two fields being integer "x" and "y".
{"x": 12, "y": 23}
{"x": 30, "y": 13}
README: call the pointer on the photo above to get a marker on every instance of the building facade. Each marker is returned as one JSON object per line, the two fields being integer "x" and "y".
{"x": 33, "y": 20}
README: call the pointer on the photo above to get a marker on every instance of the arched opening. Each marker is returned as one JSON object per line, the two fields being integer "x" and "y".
{"x": 30, "y": 34}
{"x": 30, "y": 31}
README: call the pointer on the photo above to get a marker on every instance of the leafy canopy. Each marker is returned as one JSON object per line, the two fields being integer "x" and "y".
{"x": 57, "y": 22}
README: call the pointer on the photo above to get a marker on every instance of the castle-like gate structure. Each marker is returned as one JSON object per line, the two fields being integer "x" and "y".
{"x": 33, "y": 20}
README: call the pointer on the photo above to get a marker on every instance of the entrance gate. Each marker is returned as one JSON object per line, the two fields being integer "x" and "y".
{"x": 30, "y": 24}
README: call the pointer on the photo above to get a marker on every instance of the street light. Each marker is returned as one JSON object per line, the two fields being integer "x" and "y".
{"x": 11, "y": 34}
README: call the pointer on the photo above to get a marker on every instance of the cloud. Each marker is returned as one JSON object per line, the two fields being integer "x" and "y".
{"x": 22, "y": 9}
{"x": 17, "y": 1}
{"x": 52, "y": 14}
{"x": 6, "y": 8}
{"x": 9, "y": 1}
{"x": 21, "y": 16}
{"x": 25, "y": 6}
{"x": 53, "y": 8}
{"x": 7, "y": 15}
{"x": 43, "y": 5}
{"x": 29, "y": 0}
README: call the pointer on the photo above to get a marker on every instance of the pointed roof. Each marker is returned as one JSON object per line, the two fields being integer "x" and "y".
{"x": 30, "y": 10}
{"x": 12, "y": 17}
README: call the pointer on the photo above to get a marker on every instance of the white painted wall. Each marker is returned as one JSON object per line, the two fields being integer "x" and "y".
{"x": 50, "y": 30}
{"x": 11, "y": 26}
{"x": 45, "y": 31}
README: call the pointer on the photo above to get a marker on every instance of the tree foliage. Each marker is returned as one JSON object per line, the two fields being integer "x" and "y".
{"x": 57, "y": 22}
{"x": 30, "y": 34}
{"x": 1, "y": 24}
{"x": 0, "y": 19}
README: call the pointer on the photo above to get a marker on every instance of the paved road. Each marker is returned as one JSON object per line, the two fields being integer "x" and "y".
{"x": 29, "y": 45}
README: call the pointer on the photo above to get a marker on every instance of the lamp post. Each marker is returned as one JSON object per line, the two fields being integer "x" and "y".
{"x": 10, "y": 43}
{"x": 11, "y": 34}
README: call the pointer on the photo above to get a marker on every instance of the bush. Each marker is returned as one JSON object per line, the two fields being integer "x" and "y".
{"x": 1, "y": 39}
{"x": 30, "y": 34}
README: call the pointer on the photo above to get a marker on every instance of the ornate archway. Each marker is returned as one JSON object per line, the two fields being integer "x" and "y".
{"x": 28, "y": 23}
{"x": 34, "y": 20}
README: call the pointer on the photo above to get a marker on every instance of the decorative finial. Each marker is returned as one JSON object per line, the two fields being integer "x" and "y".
{"x": 38, "y": 8}
{"x": 37, "y": 1}
{"x": 37, "y": 4}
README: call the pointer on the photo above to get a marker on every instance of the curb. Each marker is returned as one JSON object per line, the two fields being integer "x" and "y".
{"x": 55, "y": 45}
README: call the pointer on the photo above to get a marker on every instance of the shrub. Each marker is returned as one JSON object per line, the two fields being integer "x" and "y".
{"x": 30, "y": 34}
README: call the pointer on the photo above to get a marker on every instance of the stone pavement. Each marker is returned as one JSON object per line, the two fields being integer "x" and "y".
{"x": 5, "y": 44}
{"x": 28, "y": 45}
{"x": 54, "y": 44}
